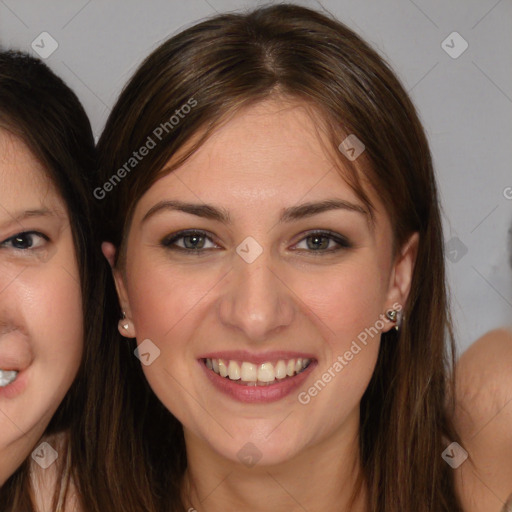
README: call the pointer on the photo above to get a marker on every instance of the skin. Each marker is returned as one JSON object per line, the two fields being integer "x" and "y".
{"x": 484, "y": 422}
{"x": 40, "y": 300}
{"x": 264, "y": 159}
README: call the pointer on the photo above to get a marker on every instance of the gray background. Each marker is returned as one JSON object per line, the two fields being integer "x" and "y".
{"x": 465, "y": 104}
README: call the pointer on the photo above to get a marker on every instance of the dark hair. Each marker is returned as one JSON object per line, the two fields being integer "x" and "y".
{"x": 234, "y": 60}
{"x": 39, "y": 108}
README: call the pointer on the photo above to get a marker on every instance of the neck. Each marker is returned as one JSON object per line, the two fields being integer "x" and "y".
{"x": 323, "y": 477}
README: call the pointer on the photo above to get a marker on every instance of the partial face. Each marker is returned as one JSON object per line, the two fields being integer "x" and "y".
{"x": 256, "y": 272}
{"x": 40, "y": 303}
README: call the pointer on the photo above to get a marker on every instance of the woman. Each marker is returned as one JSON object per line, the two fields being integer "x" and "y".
{"x": 51, "y": 289}
{"x": 271, "y": 216}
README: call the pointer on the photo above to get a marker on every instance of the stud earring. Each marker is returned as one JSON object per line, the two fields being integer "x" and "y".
{"x": 394, "y": 316}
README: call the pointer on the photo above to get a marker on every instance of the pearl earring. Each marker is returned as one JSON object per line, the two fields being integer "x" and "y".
{"x": 124, "y": 325}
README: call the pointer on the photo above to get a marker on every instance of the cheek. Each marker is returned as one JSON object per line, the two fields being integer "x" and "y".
{"x": 347, "y": 299}
{"x": 163, "y": 299}
{"x": 165, "y": 305}
{"x": 55, "y": 319}
{"x": 46, "y": 306}
{"x": 349, "y": 302}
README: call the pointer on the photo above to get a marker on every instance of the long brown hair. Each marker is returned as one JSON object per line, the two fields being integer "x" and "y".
{"x": 217, "y": 67}
{"x": 40, "y": 109}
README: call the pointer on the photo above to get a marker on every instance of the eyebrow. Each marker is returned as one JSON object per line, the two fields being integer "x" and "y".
{"x": 26, "y": 214}
{"x": 309, "y": 209}
{"x": 289, "y": 214}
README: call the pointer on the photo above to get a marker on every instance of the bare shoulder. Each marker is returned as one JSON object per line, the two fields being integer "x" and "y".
{"x": 484, "y": 421}
{"x": 494, "y": 349}
{"x": 45, "y": 478}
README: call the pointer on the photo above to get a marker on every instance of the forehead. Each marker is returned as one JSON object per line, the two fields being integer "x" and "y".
{"x": 267, "y": 136}
{"x": 274, "y": 149}
{"x": 23, "y": 179}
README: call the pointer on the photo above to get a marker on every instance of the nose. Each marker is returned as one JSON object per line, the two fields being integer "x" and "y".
{"x": 256, "y": 300}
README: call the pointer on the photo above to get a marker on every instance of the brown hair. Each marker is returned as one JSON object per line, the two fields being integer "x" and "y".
{"x": 219, "y": 66}
{"x": 37, "y": 107}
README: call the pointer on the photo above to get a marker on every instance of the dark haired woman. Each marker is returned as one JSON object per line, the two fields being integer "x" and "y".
{"x": 271, "y": 218}
{"x": 53, "y": 281}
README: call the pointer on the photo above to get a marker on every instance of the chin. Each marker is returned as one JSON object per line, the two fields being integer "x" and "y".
{"x": 252, "y": 450}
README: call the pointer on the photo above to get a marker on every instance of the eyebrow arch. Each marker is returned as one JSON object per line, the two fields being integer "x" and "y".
{"x": 287, "y": 215}
{"x": 201, "y": 210}
{"x": 309, "y": 209}
{"x": 26, "y": 214}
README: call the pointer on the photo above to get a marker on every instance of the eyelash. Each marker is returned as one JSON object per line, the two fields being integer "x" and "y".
{"x": 24, "y": 235}
{"x": 169, "y": 241}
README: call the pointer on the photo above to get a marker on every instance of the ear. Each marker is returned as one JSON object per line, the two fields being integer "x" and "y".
{"x": 126, "y": 326}
{"x": 401, "y": 275}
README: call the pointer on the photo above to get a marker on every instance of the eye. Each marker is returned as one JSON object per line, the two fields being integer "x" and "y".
{"x": 25, "y": 241}
{"x": 323, "y": 242}
{"x": 189, "y": 241}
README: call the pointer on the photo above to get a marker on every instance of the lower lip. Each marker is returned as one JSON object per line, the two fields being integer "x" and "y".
{"x": 16, "y": 387}
{"x": 257, "y": 394}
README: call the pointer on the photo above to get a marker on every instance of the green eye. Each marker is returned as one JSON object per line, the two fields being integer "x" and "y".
{"x": 324, "y": 241}
{"x": 189, "y": 241}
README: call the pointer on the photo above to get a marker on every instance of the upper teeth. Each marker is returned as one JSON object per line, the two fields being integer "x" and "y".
{"x": 7, "y": 376}
{"x": 251, "y": 372}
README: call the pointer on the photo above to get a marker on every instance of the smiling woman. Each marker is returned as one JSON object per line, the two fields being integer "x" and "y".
{"x": 49, "y": 302}
{"x": 268, "y": 248}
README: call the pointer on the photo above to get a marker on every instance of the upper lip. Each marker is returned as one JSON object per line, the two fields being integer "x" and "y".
{"x": 7, "y": 366}
{"x": 256, "y": 358}
{"x": 16, "y": 358}
{"x": 9, "y": 363}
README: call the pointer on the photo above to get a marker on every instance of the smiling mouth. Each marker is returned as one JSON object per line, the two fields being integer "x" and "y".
{"x": 251, "y": 374}
{"x": 7, "y": 377}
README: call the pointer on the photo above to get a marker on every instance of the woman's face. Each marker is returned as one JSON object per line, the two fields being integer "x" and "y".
{"x": 40, "y": 303}
{"x": 256, "y": 259}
